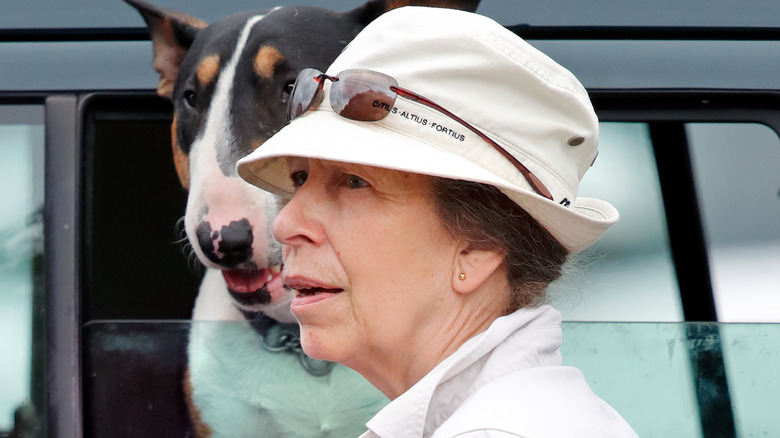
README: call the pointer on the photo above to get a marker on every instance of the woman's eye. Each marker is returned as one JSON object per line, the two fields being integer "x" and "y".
{"x": 356, "y": 182}
{"x": 299, "y": 177}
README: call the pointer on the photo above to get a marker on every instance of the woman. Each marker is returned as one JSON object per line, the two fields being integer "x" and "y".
{"x": 422, "y": 232}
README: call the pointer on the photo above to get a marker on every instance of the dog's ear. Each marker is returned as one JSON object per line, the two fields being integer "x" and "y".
{"x": 172, "y": 34}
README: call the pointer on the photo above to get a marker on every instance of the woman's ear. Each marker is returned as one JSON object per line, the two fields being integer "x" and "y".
{"x": 473, "y": 267}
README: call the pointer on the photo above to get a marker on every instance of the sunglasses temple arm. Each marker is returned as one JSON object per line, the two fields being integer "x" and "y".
{"x": 535, "y": 183}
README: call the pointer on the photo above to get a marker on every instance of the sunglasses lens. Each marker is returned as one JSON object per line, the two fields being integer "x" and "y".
{"x": 306, "y": 93}
{"x": 363, "y": 95}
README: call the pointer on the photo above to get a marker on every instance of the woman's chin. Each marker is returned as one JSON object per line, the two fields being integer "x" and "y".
{"x": 318, "y": 345}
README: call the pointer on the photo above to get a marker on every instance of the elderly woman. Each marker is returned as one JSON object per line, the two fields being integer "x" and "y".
{"x": 432, "y": 176}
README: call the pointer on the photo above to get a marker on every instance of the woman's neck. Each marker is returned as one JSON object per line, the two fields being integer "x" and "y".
{"x": 394, "y": 370}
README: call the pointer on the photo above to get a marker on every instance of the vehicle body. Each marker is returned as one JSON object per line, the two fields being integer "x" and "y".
{"x": 673, "y": 315}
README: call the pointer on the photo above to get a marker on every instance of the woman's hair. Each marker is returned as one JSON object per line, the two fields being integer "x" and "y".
{"x": 487, "y": 219}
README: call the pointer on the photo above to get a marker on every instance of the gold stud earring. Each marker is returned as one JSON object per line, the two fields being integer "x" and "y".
{"x": 462, "y": 276}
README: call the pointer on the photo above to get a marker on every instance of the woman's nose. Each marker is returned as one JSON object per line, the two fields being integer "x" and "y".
{"x": 297, "y": 223}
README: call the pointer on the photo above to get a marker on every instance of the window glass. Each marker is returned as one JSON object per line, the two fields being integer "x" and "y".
{"x": 128, "y": 163}
{"x": 21, "y": 248}
{"x": 642, "y": 369}
{"x": 738, "y": 186}
{"x": 628, "y": 275}
{"x": 751, "y": 354}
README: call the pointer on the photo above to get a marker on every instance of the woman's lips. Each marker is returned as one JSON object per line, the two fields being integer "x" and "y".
{"x": 309, "y": 291}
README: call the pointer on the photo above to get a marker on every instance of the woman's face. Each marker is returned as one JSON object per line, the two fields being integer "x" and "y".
{"x": 368, "y": 256}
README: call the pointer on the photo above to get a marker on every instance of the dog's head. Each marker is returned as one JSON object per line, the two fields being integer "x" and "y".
{"x": 229, "y": 83}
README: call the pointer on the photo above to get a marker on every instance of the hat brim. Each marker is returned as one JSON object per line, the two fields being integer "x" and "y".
{"x": 373, "y": 144}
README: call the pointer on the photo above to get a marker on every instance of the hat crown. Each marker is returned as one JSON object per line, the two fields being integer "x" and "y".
{"x": 487, "y": 76}
{"x": 533, "y": 107}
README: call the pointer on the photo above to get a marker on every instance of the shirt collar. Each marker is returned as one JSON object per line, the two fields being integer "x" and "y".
{"x": 424, "y": 406}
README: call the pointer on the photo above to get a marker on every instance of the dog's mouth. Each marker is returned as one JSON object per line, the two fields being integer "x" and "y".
{"x": 257, "y": 286}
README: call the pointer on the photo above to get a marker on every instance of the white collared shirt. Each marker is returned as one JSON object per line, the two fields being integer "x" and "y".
{"x": 505, "y": 382}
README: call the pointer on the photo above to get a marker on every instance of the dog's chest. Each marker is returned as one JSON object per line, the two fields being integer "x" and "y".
{"x": 241, "y": 388}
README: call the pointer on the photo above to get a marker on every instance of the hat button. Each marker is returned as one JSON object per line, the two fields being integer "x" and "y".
{"x": 576, "y": 141}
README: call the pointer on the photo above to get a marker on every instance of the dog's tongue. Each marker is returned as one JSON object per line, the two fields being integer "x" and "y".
{"x": 241, "y": 281}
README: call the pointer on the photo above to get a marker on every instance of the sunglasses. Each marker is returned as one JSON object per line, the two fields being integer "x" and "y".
{"x": 369, "y": 96}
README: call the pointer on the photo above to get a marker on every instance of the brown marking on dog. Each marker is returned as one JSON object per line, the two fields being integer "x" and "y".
{"x": 265, "y": 61}
{"x": 201, "y": 429}
{"x": 208, "y": 69}
{"x": 180, "y": 159}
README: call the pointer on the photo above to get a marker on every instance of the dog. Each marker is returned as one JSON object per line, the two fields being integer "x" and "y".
{"x": 229, "y": 82}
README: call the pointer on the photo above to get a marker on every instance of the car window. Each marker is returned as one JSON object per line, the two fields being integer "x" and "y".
{"x": 658, "y": 375}
{"x": 652, "y": 373}
{"x": 738, "y": 184}
{"x": 752, "y": 358}
{"x": 628, "y": 275}
{"x": 646, "y": 359}
{"x": 129, "y": 178}
{"x": 21, "y": 249}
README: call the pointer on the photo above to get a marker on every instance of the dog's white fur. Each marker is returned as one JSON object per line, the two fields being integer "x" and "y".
{"x": 221, "y": 199}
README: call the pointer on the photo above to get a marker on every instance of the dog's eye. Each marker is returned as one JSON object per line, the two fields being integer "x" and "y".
{"x": 287, "y": 90}
{"x": 191, "y": 98}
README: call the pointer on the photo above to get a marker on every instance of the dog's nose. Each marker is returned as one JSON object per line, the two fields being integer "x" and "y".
{"x": 236, "y": 243}
{"x": 228, "y": 247}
